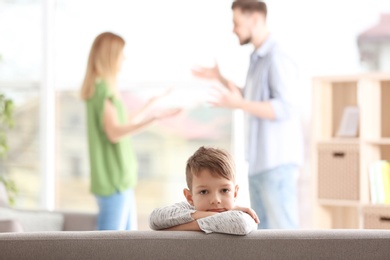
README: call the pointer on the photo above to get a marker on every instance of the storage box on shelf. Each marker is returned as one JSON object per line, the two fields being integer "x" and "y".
{"x": 338, "y": 169}
{"x": 376, "y": 217}
{"x": 342, "y": 195}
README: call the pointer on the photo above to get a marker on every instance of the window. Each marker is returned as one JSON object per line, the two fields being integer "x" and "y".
{"x": 159, "y": 54}
{"x": 20, "y": 73}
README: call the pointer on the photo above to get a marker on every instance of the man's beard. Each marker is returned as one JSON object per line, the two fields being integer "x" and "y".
{"x": 245, "y": 41}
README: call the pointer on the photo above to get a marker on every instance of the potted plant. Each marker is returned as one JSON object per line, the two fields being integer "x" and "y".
{"x": 6, "y": 122}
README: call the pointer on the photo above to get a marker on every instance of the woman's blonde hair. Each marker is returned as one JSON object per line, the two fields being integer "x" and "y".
{"x": 102, "y": 62}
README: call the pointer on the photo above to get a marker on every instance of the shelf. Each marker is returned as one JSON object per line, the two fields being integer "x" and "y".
{"x": 330, "y": 101}
{"x": 355, "y": 77}
{"x": 339, "y": 141}
{"x": 345, "y": 203}
{"x": 381, "y": 141}
{"x": 341, "y": 164}
{"x": 378, "y": 76}
{"x": 377, "y": 205}
{"x": 385, "y": 108}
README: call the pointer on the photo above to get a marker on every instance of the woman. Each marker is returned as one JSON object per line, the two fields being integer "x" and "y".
{"x": 113, "y": 163}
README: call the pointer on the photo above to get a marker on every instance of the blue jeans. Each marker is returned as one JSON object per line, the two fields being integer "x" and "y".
{"x": 117, "y": 211}
{"x": 273, "y": 196}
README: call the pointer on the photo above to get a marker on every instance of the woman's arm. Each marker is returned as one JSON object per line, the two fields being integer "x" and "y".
{"x": 143, "y": 112}
{"x": 115, "y": 131}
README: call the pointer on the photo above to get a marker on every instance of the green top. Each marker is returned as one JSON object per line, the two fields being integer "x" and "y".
{"x": 113, "y": 165}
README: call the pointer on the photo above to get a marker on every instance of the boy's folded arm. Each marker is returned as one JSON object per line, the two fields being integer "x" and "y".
{"x": 202, "y": 214}
{"x": 228, "y": 222}
{"x": 182, "y": 216}
{"x": 193, "y": 225}
{"x": 170, "y": 216}
{"x": 190, "y": 226}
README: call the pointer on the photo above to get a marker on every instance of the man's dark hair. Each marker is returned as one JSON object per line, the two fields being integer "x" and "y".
{"x": 250, "y": 6}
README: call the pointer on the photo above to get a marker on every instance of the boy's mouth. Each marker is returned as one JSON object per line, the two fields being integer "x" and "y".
{"x": 217, "y": 210}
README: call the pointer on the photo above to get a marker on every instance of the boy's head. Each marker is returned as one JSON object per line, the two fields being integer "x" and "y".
{"x": 210, "y": 175}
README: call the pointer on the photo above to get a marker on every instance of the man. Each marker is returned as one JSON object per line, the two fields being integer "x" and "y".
{"x": 274, "y": 147}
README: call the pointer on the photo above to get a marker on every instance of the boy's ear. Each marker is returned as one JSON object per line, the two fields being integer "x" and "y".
{"x": 236, "y": 191}
{"x": 188, "y": 194}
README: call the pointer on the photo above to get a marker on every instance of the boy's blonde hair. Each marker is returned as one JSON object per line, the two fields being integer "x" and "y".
{"x": 102, "y": 62}
{"x": 217, "y": 161}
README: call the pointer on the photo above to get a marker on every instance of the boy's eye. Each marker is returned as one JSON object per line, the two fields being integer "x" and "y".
{"x": 225, "y": 190}
{"x": 203, "y": 192}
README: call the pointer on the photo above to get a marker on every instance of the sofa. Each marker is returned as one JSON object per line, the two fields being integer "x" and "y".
{"x": 23, "y": 220}
{"x": 261, "y": 244}
{"x": 75, "y": 238}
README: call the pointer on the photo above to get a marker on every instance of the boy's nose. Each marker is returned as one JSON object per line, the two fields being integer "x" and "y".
{"x": 215, "y": 200}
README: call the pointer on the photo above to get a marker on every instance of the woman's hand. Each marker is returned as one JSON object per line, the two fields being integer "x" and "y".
{"x": 207, "y": 73}
{"x": 155, "y": 99}
{"x": 144, "y": 113}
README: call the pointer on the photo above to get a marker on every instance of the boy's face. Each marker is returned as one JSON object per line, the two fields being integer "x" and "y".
{"x": 211, "y": 193}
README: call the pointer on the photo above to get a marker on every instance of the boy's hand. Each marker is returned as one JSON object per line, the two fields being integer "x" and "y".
{"x": 249, "y": 211}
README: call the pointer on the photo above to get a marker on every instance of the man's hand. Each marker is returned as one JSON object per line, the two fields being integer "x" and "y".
{"x": 249, "y": 211}
{"x": 229, "y": 97}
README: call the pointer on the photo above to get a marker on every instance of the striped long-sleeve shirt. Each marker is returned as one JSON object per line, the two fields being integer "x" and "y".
{"x": 228, "y": 222}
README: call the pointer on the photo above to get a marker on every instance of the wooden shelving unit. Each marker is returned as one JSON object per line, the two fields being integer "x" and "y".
{"x": 340, "y": 164}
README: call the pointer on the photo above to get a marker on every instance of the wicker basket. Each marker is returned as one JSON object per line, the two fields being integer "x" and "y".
{"x": 338, "y": 171}
{"x": 376, "y": 217}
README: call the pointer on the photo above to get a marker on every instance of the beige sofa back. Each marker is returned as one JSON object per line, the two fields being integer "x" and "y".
{"x": 261, "y": 244}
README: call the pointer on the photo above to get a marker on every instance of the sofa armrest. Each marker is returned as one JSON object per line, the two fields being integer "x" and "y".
{"x": 10, "y": 226}
{"x": 76, "y": 221}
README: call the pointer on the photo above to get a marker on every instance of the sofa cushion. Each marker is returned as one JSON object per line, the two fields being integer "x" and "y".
{"x": 10, "y": 226}
{"x": 34, "y": 220}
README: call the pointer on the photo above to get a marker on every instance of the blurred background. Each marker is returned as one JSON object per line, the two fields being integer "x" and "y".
{"x": 44, "y": 46}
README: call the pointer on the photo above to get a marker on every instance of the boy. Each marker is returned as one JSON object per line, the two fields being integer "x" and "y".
{"x": 211, "y": 195}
